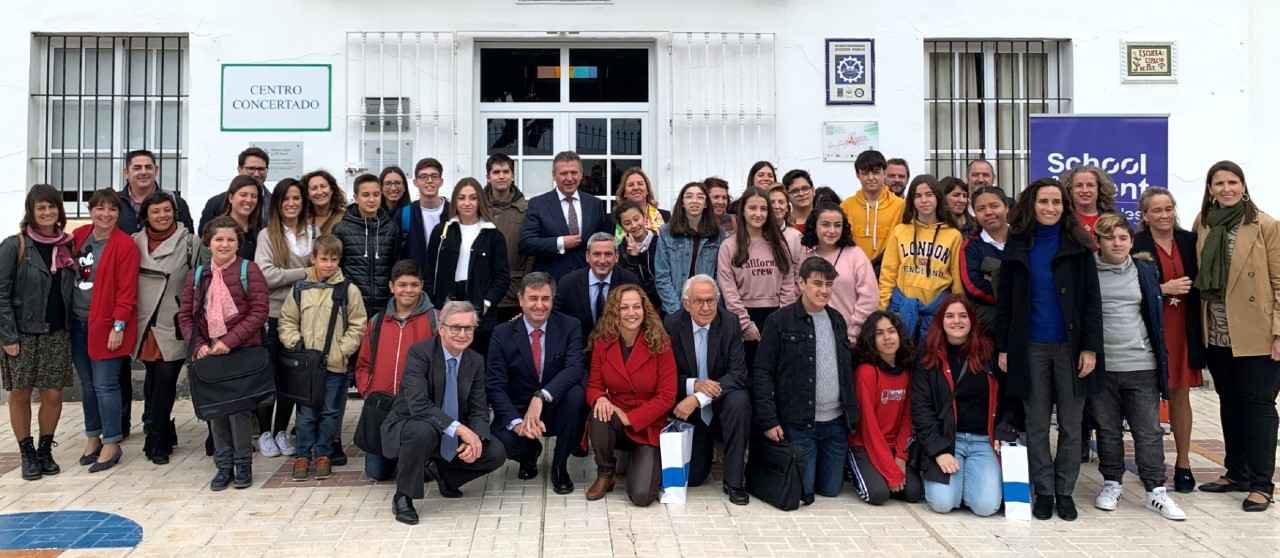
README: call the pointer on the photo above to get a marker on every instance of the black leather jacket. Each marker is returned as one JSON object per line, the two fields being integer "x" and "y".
{"x": 24, "y": 291}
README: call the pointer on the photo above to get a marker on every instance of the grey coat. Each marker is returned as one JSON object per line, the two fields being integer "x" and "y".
{"x": 160, "y": 280}
{"x": 24, "y": 290}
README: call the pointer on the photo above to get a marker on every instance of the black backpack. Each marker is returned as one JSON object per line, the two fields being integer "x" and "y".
{"x": 302, "y": 370}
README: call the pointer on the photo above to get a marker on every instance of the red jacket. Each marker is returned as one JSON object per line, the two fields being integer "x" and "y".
{"x": 115, "y": 293}
{"x": 644, "y": 387}
{"x": 394, "y": 340}
{"x": 885, "y": 426}
{"x": 245, "y": 328}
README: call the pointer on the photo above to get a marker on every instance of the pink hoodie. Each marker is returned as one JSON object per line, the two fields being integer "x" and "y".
{"x": 757, "y": 283}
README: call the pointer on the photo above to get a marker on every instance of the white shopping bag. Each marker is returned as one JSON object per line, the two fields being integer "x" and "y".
{"x": 676, "y": 445}
{"x": 1017, "y": 486}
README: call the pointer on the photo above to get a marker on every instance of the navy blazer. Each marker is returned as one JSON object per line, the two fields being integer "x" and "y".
{"x": 573, "y": 295}
{"x": 511, "y": 379}
{"x": 544, "y": 223}
{"x": 726, "y": 362}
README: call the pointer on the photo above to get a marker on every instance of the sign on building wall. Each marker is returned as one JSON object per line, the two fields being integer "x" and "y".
{"x": 286, "y": 158}
{"x": 851, "y": 72}
{"x": 844, "y": 141}
{"x": 277, "y": 97}
{"x": 1149, "y": 62}
{"x": 1133, "y": 150}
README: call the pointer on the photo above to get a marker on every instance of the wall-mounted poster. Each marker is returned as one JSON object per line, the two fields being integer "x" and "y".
{"x": 851, "y": 72}
{"x": 844, "y": 141}
{"x": 1149, "y": 61}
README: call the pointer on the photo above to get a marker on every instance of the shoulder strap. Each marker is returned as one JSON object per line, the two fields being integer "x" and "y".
{"x": 195, "y": 278}
{"x": 376, "y": 324}
{"x": 244, "y": 275}
{"x": 404, "y": 218}
{"x": 22, "y": 246}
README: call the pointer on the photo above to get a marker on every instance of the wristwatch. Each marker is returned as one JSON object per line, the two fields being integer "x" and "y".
{"x": 118, "y": 326}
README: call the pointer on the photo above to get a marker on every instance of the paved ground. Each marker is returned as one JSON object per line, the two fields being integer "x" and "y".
{"x": 503, "y": 516}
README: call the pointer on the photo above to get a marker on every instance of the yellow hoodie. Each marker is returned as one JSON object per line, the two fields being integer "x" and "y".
{"x": 872, "y": 222}
{"x": 921, "y": 261}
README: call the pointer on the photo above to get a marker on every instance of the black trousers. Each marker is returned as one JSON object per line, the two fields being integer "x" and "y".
{"x": 1247, "y": 388}
{"x": 872, "y": 487}
{"x": 644, "y": 470}
{"x": 1052, "y": 377}
{"x": 749, "y": 348}
{"x": 283, "y": 407}
{"x": 420, "y": 441}
{"x": 159, "y": 390}
{"x": 564, "y": 419}
{"x": 126, "y": 396}
{"x": 731, "y": 423}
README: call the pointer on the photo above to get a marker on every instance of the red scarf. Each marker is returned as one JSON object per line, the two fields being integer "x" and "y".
{"x": 155, "y": 239}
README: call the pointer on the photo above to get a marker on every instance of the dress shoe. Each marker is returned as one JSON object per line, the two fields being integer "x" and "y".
{"x": 99, "y": 466}
{"x": 806, "y": 500}
{"x": 560, "y": 481}
{"x": 90, "y": 458}
{"x": 528, "y": 470}
{"x": 221, "y": 480}
{"x": 1252, "y": 506}
{"x": 603, "y": 485}
{"x": 44, "y": 456}
{"x": 1042, "y": 507}
{"x": 446, "y": 491}
{"x": 1223, "y": 485}
{"x": 1183, "y": 480}
{"x": 1066, "y": 508}
{"x": 737, "y": 496}
{"x": 244, "y": 475}
{"x": 402, "y": 506}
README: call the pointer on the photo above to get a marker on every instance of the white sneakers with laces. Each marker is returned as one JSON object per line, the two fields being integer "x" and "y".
{"x": 1159, "y": 501}
{"x": 282, "y": 443}
{"x": 1109, "y": 497}
{"x": 267, "y": 445}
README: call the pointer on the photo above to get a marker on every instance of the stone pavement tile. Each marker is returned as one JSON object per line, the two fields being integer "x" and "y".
{"x": 95, "y": 552}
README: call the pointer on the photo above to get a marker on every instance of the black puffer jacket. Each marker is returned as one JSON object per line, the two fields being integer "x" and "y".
{"x": 369, "y": 248}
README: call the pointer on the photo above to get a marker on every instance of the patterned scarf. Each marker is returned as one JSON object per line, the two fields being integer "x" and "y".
{"x": 61, "y": 248}
{"x": 1215, "y": 263}
{"x": 219, "y": 306}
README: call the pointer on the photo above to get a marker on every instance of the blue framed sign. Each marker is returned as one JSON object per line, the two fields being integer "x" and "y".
{"x": 851, "y": 71}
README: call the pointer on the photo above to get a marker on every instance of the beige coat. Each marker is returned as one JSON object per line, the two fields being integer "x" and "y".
{"x": 160, "y": 281}
{"x": 280, "y": 280}
{"x": 310, "y": 324}
{"x": 1253, "y": 286}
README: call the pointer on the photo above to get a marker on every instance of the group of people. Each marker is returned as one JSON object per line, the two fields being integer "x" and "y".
{"x": 897, "y": 338}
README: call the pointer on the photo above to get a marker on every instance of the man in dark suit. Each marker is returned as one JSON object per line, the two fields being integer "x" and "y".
{"x": 537, "y": 382}
{"x": 440, "y": 419}
{"x": 712, "y": 388}
{"x": 583, "y": 293}
{"x": 558, "y": 221}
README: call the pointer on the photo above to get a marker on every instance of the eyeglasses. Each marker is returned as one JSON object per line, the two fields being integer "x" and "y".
{"x": 459, "y": 329}
{"x": 431, "y": 177}
{"x": 703, "y": 301}
{"x": 800, "y": 189}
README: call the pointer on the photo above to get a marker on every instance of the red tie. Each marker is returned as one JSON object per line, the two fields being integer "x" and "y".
{"x": 535, "y": 344}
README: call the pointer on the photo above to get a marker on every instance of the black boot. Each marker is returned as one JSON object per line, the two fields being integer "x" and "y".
{"x": 171, "y": 435}
{"x": 338, "y": 457}
{"x": 149, "y": 442}
{"x": 44, "y": 454}
{"x": 30, "y": 464}
{"x": 222, "y": 479}
{"x": 244, "y": 475}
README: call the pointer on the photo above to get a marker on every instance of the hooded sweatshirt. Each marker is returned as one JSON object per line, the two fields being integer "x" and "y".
{"x": 757, "y": 283}
{"x": 1124, "y": 338}
{"x": 871, "y": 222}
{"x": 395, "y": 336}
{"x": 922, "y": 261}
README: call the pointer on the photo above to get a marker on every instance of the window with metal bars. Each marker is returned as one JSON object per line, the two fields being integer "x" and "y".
{"x": 979, "y": 95}
{"x": 95, "y": 98}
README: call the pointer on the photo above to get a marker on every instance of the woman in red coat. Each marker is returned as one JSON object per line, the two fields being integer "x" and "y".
{"x": 104, "y": 329}
{"x": 631, "y": 388}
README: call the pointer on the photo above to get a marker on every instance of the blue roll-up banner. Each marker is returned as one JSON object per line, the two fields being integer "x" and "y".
{"x": 1134, "y": 150}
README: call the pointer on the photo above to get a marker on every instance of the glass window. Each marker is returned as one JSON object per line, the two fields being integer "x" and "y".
{"x": 538, "y": 136}
{"x": 519, "y": 75}
{"x": 608, "y": 75}
{"x": 595, "y": 177}
{"x": 502, "y": 135}
{"x": 626, "y": 136}
{"x": 592, "y": 136}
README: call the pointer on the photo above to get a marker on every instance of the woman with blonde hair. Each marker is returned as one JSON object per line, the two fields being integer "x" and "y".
{"x": 637, "y": 188}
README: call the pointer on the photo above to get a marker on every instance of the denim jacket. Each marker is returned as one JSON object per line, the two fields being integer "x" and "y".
{"x": 784, "y": 378}
{"x": 671, "y": 265}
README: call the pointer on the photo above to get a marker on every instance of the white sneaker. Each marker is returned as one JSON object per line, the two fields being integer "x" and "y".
{"x": 1158, "y": 501}
{"x": 1109, "y": 497}
{"x": 282, "y": 443}
{"x": 267, "y": 445}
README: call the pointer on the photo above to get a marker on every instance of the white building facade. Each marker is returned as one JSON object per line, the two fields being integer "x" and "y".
{"x": 683, "y": 89}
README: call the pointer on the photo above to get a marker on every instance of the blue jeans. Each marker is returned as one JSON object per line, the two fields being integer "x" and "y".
{"x": 99, "y": 387}
{"x": 823, "y": 450}
{"x": 977, "y": 483}
{"x": 317, "y": 426}
{"x": 379, "y": 468}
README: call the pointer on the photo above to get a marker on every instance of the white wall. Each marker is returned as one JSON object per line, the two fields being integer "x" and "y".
{"x": 1217, "y": 108}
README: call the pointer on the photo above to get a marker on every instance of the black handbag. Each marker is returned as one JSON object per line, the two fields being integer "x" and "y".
{"x": 302, "y": 371}
{"x": 773, "y": 473}
{"x": 377, "y": 406}
{"x": 236, "y": 382}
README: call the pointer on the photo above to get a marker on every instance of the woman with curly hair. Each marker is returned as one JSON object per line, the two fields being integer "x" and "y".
{"x": 631, "y": 388}
{"x": 878, "y": 447}
{"x": 1092, "y": 194}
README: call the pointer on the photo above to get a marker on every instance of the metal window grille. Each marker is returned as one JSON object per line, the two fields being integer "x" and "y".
{"x": 95, "y": 98}
{"x": 722, "y": 106}
{"x": 400, "y": 104}
{"x": 979, "y": 95}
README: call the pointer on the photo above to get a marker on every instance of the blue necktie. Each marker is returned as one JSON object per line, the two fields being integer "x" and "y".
{"x": 700, "y": 353}
{"x": 598, "y": 306}
{"x": 449, "y": 444}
